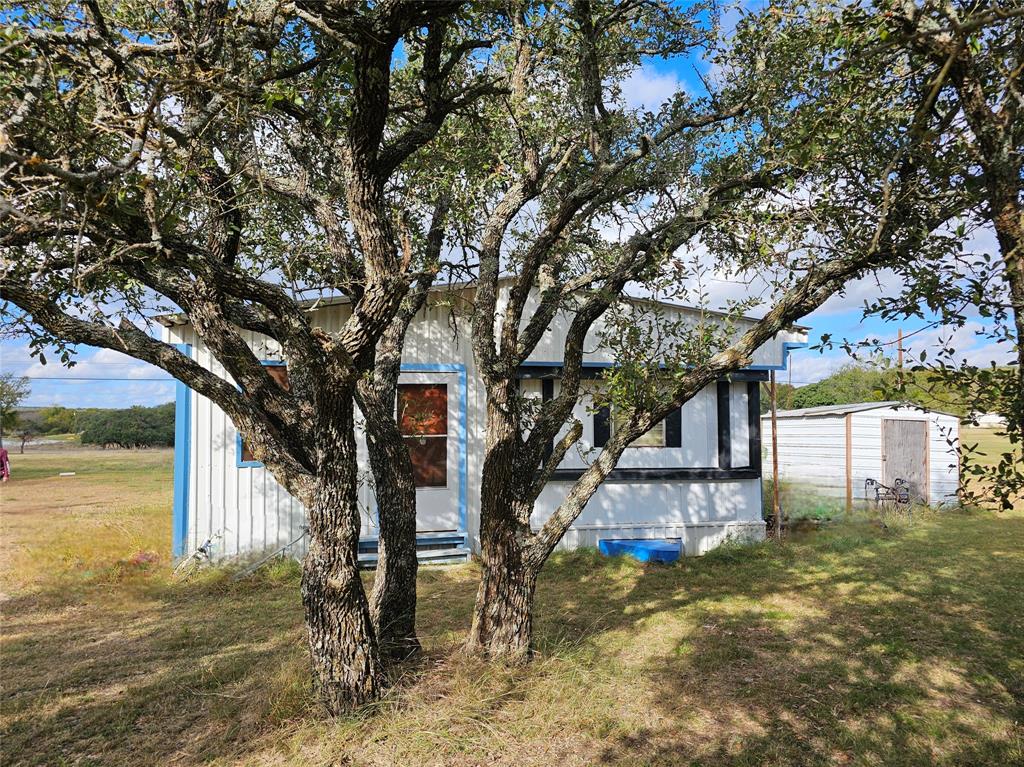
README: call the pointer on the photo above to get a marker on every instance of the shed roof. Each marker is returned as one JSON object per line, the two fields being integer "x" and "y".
{"x": 856, "y": 407}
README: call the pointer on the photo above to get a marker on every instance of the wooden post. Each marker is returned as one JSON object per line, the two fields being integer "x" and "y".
{"x": 899, "y": 349}
{"x": 849, "y": 462}
{"x": 776, "y": 506}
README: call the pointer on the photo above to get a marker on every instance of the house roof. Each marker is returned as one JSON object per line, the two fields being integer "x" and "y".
{"x": 173, "y": 319}
{"x": 856, "y": 407}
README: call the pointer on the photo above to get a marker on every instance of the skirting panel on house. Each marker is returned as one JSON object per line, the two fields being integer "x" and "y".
{"x": 697, "y": 539}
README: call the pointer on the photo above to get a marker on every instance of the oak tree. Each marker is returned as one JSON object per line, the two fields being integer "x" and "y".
{"x": 226, "y": 161}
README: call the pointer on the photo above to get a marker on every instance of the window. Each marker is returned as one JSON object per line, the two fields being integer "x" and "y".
{"x": 279, "y": 372}
{"x": 423, "y": 422}
{"x": 654, "y": 438}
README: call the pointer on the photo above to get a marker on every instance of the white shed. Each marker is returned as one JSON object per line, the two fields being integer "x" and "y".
{"x": 833, "y": 450}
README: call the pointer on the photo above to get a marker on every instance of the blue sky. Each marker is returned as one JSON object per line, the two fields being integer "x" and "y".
{"x": 103, "y": 378}
{"x": 842, "y": 316}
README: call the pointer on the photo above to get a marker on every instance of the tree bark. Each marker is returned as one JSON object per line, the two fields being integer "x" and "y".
{"x": 343, "y": 647}
{"x": 393, "y": 601}
{"x": 1008, "y": 220}
{"x": 503, "y": 614}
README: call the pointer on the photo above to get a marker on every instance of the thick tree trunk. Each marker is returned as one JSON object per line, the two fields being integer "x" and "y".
{"x": 342, "y": 644}
{"x": 393, "y": 602}
{"x": 1009, "y": 226}
{"x": 503, "y": 615}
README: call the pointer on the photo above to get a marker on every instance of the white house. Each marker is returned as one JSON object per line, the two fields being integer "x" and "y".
{"x": 695, "y": 478}
{"x": 835, "y": 449}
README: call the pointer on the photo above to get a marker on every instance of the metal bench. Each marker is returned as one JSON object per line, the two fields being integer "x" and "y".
{"x": 898, "y": 494}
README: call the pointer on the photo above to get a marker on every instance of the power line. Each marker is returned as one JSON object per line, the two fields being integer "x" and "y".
{"x": 92, "y": 378}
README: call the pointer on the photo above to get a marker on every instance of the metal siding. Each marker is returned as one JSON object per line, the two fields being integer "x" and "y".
{"x": 812, "y": 451}
{"x": 252, "y": 511}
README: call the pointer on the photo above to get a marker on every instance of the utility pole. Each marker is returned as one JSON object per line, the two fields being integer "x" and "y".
{"x": 899, "y": 348}
{"x": 776, "y": 506}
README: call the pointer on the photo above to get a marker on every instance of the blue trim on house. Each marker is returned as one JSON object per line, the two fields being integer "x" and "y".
{"x": 239, "y": 463}
{"x": 182, "y": 460}
{"x": 530, "y": 363}
{"x": 463, "y": 394}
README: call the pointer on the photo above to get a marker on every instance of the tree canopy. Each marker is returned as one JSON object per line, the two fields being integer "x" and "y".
{"x": 227, "y": 161}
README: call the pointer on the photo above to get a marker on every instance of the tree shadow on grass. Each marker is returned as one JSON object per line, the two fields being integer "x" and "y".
{"x": 863, "y": 648}
{"x": 145, "y": 670}
{"x": 909, "y": 656}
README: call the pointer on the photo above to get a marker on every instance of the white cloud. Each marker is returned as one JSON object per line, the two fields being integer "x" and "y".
{"x": 101, "y": 378}
{"x": 807, "y": 366}
{"x": 647, "y": 88}
{"x": 103, "y": 363}
{"x": 970, "y": 342}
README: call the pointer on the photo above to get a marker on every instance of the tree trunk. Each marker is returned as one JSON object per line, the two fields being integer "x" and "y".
{"x": 342, "y": 644}
{"x": 393, "y": 602}
{"x": 1009, "y": 226}
{"x": 503, "y": 615}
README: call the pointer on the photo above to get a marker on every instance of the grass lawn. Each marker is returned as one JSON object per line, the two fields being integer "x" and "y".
{"x": 857, "y": 646}
{"x": 990, "y": 443}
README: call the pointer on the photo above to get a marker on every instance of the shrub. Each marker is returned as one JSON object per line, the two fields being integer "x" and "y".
{"x": 133, "y": 427}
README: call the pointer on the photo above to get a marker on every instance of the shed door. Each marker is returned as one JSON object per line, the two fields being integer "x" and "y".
{"x": 905, "y": 455}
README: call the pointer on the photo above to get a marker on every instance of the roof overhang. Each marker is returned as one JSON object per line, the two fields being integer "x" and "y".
{"x": 313, "y": 304}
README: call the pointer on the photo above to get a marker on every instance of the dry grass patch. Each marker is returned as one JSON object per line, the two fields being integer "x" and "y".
{"x": 855, "y": 646}
{"x": 115, "y": 508}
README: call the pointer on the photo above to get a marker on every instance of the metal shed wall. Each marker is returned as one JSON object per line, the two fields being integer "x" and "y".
{"x": 813, "y": 451}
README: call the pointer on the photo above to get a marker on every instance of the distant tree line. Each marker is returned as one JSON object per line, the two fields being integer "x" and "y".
{"x": 862, "y": 383}
{"x": 126, "y": 428}
{"x": 133, "y": 427}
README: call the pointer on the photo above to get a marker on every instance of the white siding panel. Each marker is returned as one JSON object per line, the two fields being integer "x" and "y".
{"x": 771, "y": 354}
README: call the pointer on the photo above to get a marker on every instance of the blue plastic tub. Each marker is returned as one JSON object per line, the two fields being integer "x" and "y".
{"x": 642, "y": 549}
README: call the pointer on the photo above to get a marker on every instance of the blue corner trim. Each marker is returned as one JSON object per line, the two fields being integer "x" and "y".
{"x": 182, "y": 460}
{"x": 462, "y": 431}
{"x": 239, "y": 463}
